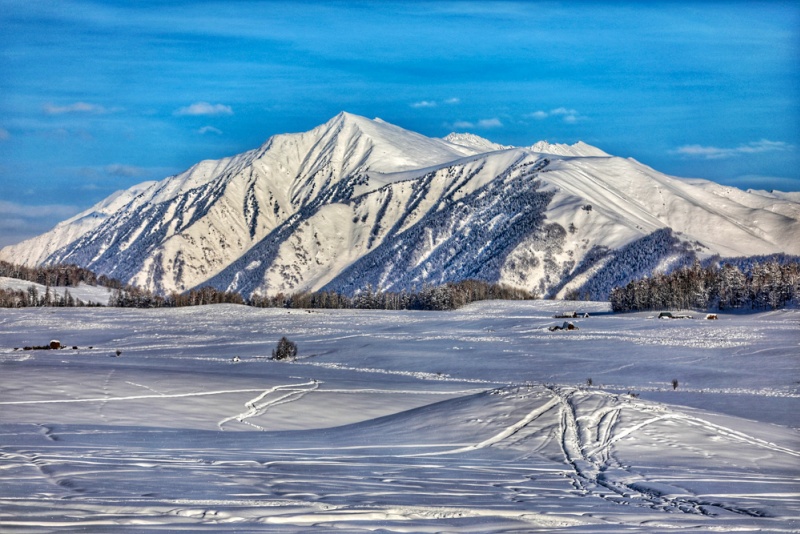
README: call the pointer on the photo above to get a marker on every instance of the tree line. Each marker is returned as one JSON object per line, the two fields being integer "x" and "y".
{"x": 31, "y": 297}
{"x": 449, "y": 296}
{"x": 124, "y": 296}
{"x": 62, "y": 275}
{"x": 134, "y": 297}
{"x": 759, "y": 285}
{"x": 756, "y": 285}
{"x": 49, "y": 276}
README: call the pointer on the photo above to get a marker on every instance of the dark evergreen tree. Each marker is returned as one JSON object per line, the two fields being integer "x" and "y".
{"x": 764, "y": 285}
{"x": 286, "y": 350}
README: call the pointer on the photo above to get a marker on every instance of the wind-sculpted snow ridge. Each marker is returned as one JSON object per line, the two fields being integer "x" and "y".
{"x": 357, "y": 202}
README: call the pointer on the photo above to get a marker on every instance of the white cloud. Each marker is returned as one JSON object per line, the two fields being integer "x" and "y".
{"x": 424, "y": 104}
{"x": 67, "y": 134}
{"x": 209, "y": 129}
{"x": 764, "y": 145}
{"x": 490, "y": 123}
{"x": 78, "y": 107}
{"x": 19, "y": 222}
{"x": 204, "y": 108}
{"x": 569, "y": 116}
{"x": 563, "y": 111}
{"x": 433, "y": 103}
{"x": 125, "y": 171}
{"x": 4, "y": 134}
{"x": 483, "y": 123}
{"x": 22, "y": 210}
{"x": 707, "y": 152}
{"x": 713, "y": 152}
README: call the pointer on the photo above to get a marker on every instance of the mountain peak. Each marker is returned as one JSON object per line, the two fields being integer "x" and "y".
{"x": 579, "y": 149}
{"x": 473, "y": 141}
{"x": 377, "y": 145}
{"x": 346, "y": 116}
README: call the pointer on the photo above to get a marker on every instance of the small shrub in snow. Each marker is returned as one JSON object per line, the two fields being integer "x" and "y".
{"x": 286, "y": 350}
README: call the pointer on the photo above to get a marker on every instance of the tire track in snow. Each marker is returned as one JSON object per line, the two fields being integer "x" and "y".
{"x": 719, "y": 429}
{"x": 255, "y": 407}
{"x": 591, "y": 475}
{"x": 133, "y": 397}
{"x": 606, "y": 425}
{"x": 404, "y": 391}
{"x": 591, "y": 472}
{"x": 506, "y": 433}
{"x": 421, "y": 375}
{"x": 145, "y": 387}
{"x": 740, "y": 436}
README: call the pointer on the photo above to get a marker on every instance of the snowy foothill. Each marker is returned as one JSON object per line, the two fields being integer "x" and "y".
{"x": 475, "y": 420}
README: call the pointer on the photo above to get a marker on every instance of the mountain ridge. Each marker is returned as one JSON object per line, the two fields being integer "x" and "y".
{"x": 357, "y": 202}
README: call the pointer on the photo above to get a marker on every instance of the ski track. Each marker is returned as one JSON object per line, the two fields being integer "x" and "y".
{"x": 255, "y": 407}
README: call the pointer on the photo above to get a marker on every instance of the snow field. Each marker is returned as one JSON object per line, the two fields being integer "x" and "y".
{"x": 475, "y": 420}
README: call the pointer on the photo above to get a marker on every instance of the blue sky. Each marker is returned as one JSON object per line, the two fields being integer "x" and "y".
{"x": 98, "y": 96}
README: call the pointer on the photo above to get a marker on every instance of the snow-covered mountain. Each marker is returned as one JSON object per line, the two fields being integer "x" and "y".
{"x": 357, "y": 202}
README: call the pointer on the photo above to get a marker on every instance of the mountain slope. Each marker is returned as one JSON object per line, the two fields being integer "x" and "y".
{"x": 35, "y": 251}
{"x": 175, "y": 234}
{"x": 358, "y": 203}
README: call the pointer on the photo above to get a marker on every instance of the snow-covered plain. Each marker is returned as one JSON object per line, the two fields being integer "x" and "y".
{"x": 475, "y": 420}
